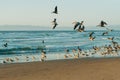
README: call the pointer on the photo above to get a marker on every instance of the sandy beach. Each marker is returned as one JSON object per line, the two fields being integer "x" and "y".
{"x": 75, "y": 69}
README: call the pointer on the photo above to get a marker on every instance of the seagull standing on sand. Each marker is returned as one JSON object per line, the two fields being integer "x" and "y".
{"x": 54, "y": 23}
{"x": 55, "y": 11}
{"x": 102, "y": 24}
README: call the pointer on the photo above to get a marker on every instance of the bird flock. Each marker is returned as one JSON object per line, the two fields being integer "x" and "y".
{"x": 54, "y": 21}
{"x": 78, "y": 24}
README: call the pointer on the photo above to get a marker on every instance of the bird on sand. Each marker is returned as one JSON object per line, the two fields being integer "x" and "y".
{"x": 55, "y": 10}
{"x": 102, "y": 24}
{"x": 54, "y": 23}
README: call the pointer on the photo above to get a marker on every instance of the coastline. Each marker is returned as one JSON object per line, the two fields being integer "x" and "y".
{"x": 68, "y": 69}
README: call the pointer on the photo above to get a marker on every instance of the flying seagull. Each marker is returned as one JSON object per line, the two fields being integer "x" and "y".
{"x": 102, "y": 24}
{"x": 54, "y": 23}
{"x": 55, "y": 11}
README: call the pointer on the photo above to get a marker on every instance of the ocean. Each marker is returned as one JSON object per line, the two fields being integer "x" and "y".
{"x": 26, "y": 45}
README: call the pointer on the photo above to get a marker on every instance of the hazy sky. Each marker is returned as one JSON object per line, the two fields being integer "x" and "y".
{"x": 38, "y": 12}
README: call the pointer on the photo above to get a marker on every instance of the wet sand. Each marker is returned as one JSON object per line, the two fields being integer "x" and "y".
{"x": 75, "y": 69}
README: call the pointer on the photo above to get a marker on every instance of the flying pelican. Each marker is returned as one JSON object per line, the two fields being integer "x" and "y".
{"x": 102, "y": 24}
{"x": 77, "y": 24}
{"x": 91, "y": 37}
{"x": 83, "y": 28}
{"x": 91, "y": 33}
{"x": 55, "y": 11}
{"x": 54, "y": 23}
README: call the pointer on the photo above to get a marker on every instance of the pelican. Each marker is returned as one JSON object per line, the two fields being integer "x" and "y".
{"x": 54, "y": 23}
{"x": 91, "y": 33}
{"x": 102, "y": 24}
{"x": 55, "y": 11}
{"x": 91, "y": 37}
{"x": 83, "y": 28}
{"x": 77, "y": 24}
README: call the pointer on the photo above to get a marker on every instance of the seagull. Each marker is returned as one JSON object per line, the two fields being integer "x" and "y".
{"x": 77, "y": 24}
{"x": 54, "y": 23}
{"x": 55, "y": 11}
{"x": 102, "y": 24}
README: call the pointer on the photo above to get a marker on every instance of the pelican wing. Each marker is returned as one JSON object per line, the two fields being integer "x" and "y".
{"x": 76, "y": 25}
{"x": 56, "y": 11}
{"x": 105, "y": 23}
{"x": 55, "y": 25}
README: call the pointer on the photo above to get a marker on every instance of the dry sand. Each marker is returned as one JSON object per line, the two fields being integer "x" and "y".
{"x": 76, "y": 69}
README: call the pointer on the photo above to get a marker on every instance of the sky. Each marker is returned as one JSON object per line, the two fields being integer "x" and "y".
{"x": 38, "y": 13}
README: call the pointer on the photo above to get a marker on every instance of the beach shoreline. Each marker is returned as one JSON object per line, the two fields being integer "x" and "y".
{"x": 68, "y": 69}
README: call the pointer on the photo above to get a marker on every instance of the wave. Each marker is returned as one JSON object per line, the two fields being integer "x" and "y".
{"x": 21, "y": 50}
{"x": 29, "y": 42}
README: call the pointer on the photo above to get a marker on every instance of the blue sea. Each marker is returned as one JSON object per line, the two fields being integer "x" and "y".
{"x": 22, "y": 44}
